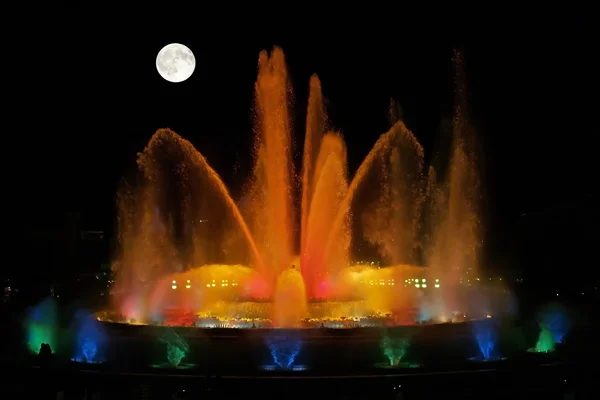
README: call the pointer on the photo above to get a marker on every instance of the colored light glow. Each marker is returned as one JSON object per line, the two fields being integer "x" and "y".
{"x": 284, "y": 351}
{"x": 91, "y": 339}
{"x": 486, "y": 338}
{"x": 41, "y": 326}
{"x": 395, "y": 349}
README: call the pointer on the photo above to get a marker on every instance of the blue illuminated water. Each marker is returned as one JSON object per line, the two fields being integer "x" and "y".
{"x": 91, "y": 339}
{"x": 486, "y": 337}
{"x": 284, "y": 351}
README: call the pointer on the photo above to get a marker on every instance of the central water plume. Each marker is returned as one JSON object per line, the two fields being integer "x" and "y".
{"x": 271, "y": 187}
{"x": 290, "y": 299}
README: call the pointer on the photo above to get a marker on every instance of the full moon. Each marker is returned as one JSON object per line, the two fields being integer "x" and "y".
{"x": 175, "y": 62}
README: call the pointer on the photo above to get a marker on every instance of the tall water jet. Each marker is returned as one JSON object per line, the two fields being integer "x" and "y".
{"x": 271, "y": 188}
{"x": 145, "y": 251}
{"x": 316, "y": 121}
{"x": 455, "y": 221}
{"x": 330, "y": 188}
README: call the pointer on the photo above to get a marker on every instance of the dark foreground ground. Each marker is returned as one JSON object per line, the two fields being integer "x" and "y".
{"x": 547, "y": 381}
{"x": 341, "y": 364}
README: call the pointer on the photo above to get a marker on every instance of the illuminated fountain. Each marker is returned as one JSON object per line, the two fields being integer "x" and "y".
{"x": 486, "y": 336}
{"x": 192, "y": 255}
{"x": 176, "y": 350}
{"x": 395, "y": 350}
{"x": 555, "y": 318}
{"x": 284, "y": 350}
{"x": 545, "y": 342}
{"x": 90, "y": 341}
{"x": 554, "y": 325}
{"x": 41, "y": 327}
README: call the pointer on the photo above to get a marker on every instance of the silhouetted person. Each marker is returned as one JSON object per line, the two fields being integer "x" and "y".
{"x": 45, "y": 355}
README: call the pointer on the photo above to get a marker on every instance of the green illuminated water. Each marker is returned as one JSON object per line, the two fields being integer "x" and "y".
{"x": 176, "y": 351}
{"x": 395, "y": 350}
{"x": 174, "y": 355}
{"x": 41, "y": 326}
{"x": 38, "y": 334}
{"x": 545, "y": 342}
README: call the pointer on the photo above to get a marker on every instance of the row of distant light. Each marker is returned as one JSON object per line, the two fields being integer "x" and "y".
{"x": 421, "y": 283}
{"x": 187, "y": 286}
{"x": 224, "y": 283}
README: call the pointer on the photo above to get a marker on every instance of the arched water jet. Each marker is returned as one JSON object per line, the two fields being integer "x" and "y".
{"x": 381, "y": 145}
{"x": 390, "y": 221}
{"x": 165, "y": 137}
{"x": 151, "y": 247}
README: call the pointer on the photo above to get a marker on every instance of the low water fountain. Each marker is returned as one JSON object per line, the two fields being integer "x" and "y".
{"x": 91, "y": 339}
{"x": 176, "y": 349}
{"x": 284, "y": 351}
{"x": 554, "y": 325}
{"x": 41, "y": 326}
{"x": 545, "y": 342}
{"x": 555, "y": 318}
{"x": 395, "y": 350}
{"x": 486, "y": 336}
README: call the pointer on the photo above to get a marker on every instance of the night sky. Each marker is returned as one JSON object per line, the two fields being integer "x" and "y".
{"x": 89, "y": 98}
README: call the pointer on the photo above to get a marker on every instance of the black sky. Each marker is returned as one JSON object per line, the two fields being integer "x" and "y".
{"x": 88, "y": 97}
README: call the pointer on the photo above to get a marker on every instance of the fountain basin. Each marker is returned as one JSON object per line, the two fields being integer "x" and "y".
{"x": 399, "y": 365}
